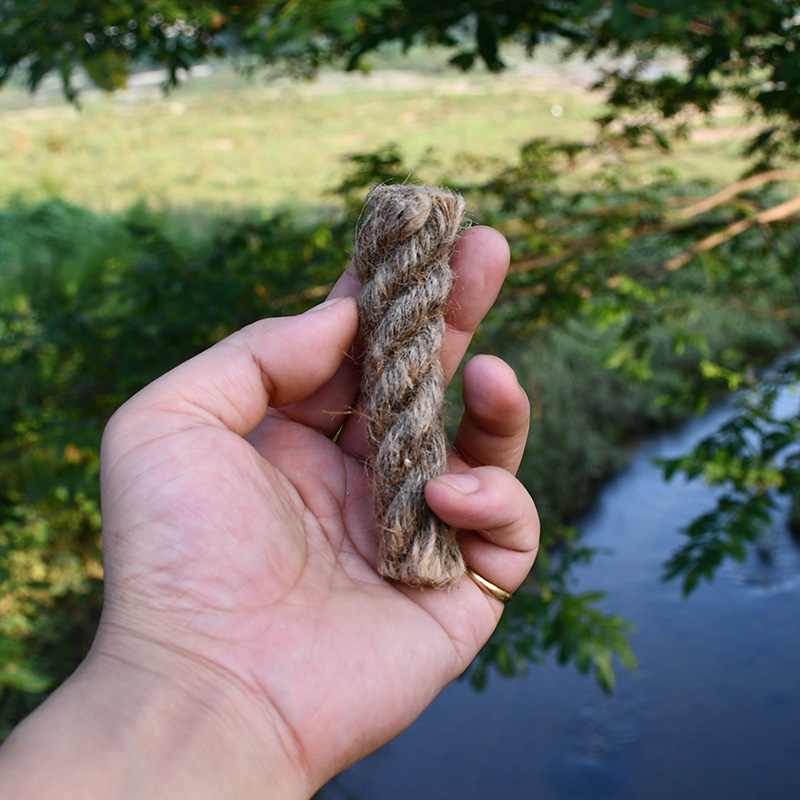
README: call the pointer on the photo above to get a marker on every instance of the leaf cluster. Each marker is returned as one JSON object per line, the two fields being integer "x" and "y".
{"x": 753, "y": 458}
{"x": 747, "y": 49}
{"x": 546, "y": 616}
{"x": 110, "y": 38}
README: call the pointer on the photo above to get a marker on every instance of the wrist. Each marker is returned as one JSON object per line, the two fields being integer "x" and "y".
{"x": 136, "y": 721}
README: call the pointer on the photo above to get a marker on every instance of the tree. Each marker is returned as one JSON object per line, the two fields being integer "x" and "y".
{"x": 749, "y": 49}
{"x": 746, "y": 49}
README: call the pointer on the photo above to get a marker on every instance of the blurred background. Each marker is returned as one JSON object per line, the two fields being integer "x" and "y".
{"x": 172, "y": 171}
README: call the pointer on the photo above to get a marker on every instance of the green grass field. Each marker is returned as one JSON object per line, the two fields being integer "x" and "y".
{"x": 225, "y": 142}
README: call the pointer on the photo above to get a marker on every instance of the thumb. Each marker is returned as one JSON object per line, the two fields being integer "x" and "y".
{"x": 272, "y": 362}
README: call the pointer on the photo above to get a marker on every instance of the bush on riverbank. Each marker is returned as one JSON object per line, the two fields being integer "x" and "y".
{"x": 608, "y": 343}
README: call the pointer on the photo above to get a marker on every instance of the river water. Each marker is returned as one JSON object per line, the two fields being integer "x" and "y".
{"x": 712, "y": 712}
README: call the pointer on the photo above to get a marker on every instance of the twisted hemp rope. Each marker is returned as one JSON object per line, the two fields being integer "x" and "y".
{"x": 402, "y": 254}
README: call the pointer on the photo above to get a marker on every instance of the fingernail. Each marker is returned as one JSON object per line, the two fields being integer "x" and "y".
{"x": 327, "y": 304}
{"x": 462, "y": 482}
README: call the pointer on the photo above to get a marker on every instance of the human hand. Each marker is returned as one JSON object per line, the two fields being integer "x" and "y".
{"x": 242, "y": 596}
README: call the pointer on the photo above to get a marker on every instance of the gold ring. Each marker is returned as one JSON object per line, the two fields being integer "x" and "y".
{"x": 495, "y": 591}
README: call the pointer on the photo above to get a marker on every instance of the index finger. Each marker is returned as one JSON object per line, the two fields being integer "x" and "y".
{"x": 479, "y": 263}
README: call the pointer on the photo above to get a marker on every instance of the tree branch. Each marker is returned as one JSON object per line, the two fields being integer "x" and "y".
{"x": 779, "y": 213}
{"x": 729, "y": 192}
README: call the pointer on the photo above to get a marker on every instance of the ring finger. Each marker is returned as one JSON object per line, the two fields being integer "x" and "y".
{"x": 498, "y": 519}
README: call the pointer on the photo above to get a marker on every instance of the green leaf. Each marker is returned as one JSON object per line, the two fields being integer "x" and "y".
{"x": 108, "y": 69}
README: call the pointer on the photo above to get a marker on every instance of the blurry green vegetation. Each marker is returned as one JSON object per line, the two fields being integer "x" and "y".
{"x": 634, "y": 301}
{"x": 93, "y": 307}
{"x": 225, "y": 143}
{"x": 636, "y": 295}
{"x": 740, "y": 48}
{"x": 608, "y": 342}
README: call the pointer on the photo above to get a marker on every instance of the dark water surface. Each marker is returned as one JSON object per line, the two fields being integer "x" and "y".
{"x": 713, "y": 711}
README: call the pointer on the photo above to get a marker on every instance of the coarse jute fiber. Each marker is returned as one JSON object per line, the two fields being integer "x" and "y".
{"x": 402, "y": 254}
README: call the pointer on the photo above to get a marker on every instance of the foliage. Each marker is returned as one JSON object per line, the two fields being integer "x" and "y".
{"x": 675, "y": 294}
{"x": 107, "y": 38}
{"x": 753, "y": 458}
{"x": 73, "y": 345}
{"x": 552, "y": 617}
{"x": 746, "y": 48}
{"x": 658, "y": 302}
{"x": 87, "y": 319}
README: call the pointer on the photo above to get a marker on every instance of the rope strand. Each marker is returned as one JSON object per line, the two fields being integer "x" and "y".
{"x": 402, "y": 257}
